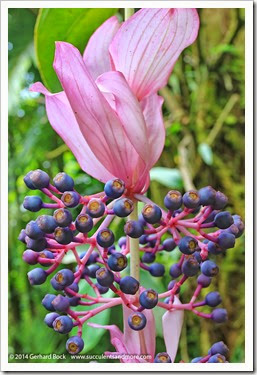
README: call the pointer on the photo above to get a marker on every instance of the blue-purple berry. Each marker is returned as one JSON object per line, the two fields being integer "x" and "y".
{"x": 209, "y": 268}
{"x": 37, "y": 276}
{"x": 214, "y": 248}
{"x": 62, "y": 217}
{"x": 64, "y": 277}
{"x": 204, "y": 280}
{"x": 219, "y": 348}
{"x": 114, "y": 188}
{"x": 223, "y": 220}
{"x": 102, "y": 289}
{"x": 213, "y": 299}
{"x": 122, "y": 241}
{"x": 22, "y": 236}
{"x": 74, "y": 345}
{"x": 123, "y": 207}
{"x": 30, "y": 256}
{"x": 105, "y": 237}
{"x": 152, "y": 213}
{"x": 196, "y": 359}
{"x": 191, "y": 199}
{"x": 91, "y": 270}
{"x": 173, "y": 200}
{"x": 219, "y": 315}
{"x": 63, "y": 235}
{"x": 33, "y": 203}
{"x": 95, "y": 208}
{"x": 148, "y": 257}
{"x": 220, "y": 202}
{"x": 47, "y": 302}
{"x": 104, "y": 277}
{"x": 63, "y": 324}
{"x": 162, "y": 358}
{"x": 63, "y": 182}
{"x": 190, "y": 267}
{"x": 133, "y": 229}
{"x": 70, "y": 199}
{"x": 129, "y": 285}
{"x": 61, "y": 303}
{"x": 117, "y": 262}
{"x": 84, "y": 223}
{"x": 226, "y": 240}
{"x": 36, "y": 245}
{"x": 148, "y": 298}
{"x": 50, "y": 318}
{"x": 28, "y": 181}
{"x": 157, "y": 269}
{"x": 207, "y": 196}
{"x": 46, "y": 223}
{"x": 33, "y": 231}
{"x": 169, "y": 244}
{"x": 39, "y": 179}
{"x": 175, "y": 271}
{"x": 188, "y": 245}
{"x": 137, "y": 321}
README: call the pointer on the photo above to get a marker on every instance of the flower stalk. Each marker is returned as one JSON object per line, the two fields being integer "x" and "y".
{"x": 134, "y": 247}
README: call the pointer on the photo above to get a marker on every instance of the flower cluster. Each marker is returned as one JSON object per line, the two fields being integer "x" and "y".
{"x": 193, "y": 225}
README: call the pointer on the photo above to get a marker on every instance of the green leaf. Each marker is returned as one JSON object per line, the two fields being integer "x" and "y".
{"x": 206, "y": 153}
{"x": 73, "y": 25}
{"x": 167, "y": 176}
{"x": 90, "y": 335}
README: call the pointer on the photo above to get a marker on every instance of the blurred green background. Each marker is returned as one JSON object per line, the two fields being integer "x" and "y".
{"x": 204, "y": 118}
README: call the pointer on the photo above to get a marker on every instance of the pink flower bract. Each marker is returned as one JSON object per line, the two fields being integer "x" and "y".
{"x": 109, "y": 113}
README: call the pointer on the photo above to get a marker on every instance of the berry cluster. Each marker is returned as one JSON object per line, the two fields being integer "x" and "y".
{"x": 193, "y": 225}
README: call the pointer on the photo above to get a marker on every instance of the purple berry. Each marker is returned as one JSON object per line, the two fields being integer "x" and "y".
{"x": 188, "y": 245}
{"x": 22, "y": 236}
{"x": 162, "y": 358}
{"x": 30, "y": 257}
{"x": 226, "y": 240}
{"x": 95, "y": 208}
{"x": 62, "y": 217}
{"x": 175, "y": 271}
{"x": 148, "y": 298}
{"x": 219, "y": 348}
{"x": 37, "y": 276}
{"x": 114, "y": 188}
{"x": 39, "y": 179}
{"x": 63, "y": 324}
{"x": 84, "y": 223}
{"x": 137, "y": 321}
{"x": 173, "y": 200}
{"x": 61, "y": 303}
{"x": 191, "y": 199}
{"x": 74, "y": 345}
{"x": 33, "y": 231}
{"x": 105, "y": 238}
{"x": 133, "y": 229}
{"x": 220, "y": 201}
{"x": 63, "y": 182}
{"x": 47, "y": 302}
{"x": 70, "y": 198}
{"x": 129, "y": 285}
{"x": 156, "y": 269}
{"x": 213, "y": 299}
{"x": 148, "y": 257}
{"x": 204, "y": 281}
{"x": 50, "y": 318}
{"x": 63, "y": 236}
{"x": 223, "y": 220}
{"x": 104, "y": 277}
{"x": 123, "y": 207}
{"x": 46, "y": 223}
{"x": 28, "y": 181}
{"x": 219, "y": 315}
{"x": 209, "y": 268}
{"x": 32, "y": 203}
{"x": 207, "y": 196}
{"x": 190, "y": 267}
{"x": 171, "y": 286}
{"x": 47, "y": 255}
{"x": 36, "y": 245}
{"x": 217, "y": 358}
{"x": 169, "y": 244}
{"x": 152, "y": 214}
{"x": 117, "y": 262}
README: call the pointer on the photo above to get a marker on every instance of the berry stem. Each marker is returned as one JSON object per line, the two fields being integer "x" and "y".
{"x": 134, "y": 247}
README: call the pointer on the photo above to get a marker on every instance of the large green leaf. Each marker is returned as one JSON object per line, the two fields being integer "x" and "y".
{"x": 167, "y": 176}
{"x": 92, "y": 336}
{"x": 73, "y": 25}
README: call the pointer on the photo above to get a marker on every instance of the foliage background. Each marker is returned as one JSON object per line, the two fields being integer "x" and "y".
{"x": 204, "y": 118}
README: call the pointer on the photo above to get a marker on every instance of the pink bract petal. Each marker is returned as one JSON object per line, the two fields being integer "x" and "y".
{"x": 152, "y": 111}
{"x": 63, "y": 121}
{"x": 136, "y": 344}
{"x": 128, "y": 109}
{"x": 172, "y": 322}
{"x": 117, "y": 340}
{"x": 98, "y": 123}
{"x": 148, "y": 44}
{"x": 96, "y": 54}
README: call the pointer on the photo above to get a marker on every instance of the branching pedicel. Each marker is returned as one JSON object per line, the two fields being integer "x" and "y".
{"x": 200, "y": 230}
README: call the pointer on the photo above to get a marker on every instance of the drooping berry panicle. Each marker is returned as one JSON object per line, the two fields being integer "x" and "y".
{"x": 193, "y": 225}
